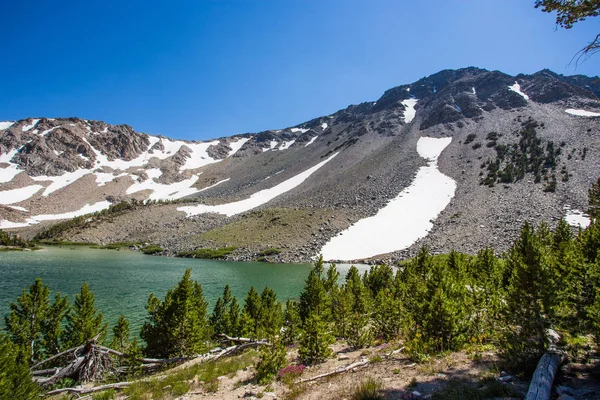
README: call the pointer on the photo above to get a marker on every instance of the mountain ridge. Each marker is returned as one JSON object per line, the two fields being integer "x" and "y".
{"x": 376, "y": 143}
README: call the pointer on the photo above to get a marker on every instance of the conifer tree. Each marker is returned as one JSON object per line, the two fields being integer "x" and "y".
{"x": 15, "y": 378}
{"x": 291, "y": 323}
{"x": 272, "y": 359}
{"x": 594, "y": 200}
{"x": 178, "y": 325}
{"x": 529, "y": 300}
{"x": 356, "y": 291}
{"x": 216, "y": 319}
{"x": 251, "y": 313}
{"x": 35, "y": 323}
{"x": 379, "y": 278}
{"x": 121, "y": 336}
{"x": 359, "y": 333}
{"x": 271, "y": 315}
{"x": 234, "y": 318}
{"x": 313, "y": 298}
{"x": 315, "y": 340}
{"x": 84, "y": 322}
{"x": 387, "y": 315}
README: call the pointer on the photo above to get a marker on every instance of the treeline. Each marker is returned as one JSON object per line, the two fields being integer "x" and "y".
{"x": 547, "y": 280}
{"x": 12, "y": 240}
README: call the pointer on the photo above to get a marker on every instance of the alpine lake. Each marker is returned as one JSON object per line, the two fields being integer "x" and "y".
{"x": 123, "y": 280}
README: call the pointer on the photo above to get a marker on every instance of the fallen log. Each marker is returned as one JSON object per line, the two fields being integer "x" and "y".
{"x": 120, "y": 385}
{"x": 235, "y": 339}
{"x": 73, "y": 350}
{"x": 358, "y": 364}
{"x": 541, "y": 382}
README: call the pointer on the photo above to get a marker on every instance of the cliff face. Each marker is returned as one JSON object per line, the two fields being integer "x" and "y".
{"x": 324, "y": 175}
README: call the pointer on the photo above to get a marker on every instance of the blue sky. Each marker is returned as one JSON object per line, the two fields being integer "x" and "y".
{"x": 205, "y": 69}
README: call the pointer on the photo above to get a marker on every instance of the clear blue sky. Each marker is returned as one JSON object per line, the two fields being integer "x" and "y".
{"x": 204, "y": 69}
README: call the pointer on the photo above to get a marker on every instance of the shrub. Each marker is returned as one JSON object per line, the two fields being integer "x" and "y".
{"x": 209, "y": 254}
{"x": 152, "y": 249}
{"x": 470, "y": 138}
{"x": 272, "y": 359}
{"x": 368, "y": 389}
{"x": 269, "y": 252}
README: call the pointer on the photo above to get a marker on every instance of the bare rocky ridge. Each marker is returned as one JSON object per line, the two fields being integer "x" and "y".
{"x": 377, "y": 159}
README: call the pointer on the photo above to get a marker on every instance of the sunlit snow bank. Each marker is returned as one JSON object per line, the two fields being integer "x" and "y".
{"x": 576, "y": 218}
{"x": 6, "y": 124}
{"x": 409, "y": 112}
{"x": 18, "y": 195}
{"x": 406, "y": 218}
{"x": 258, "y": 198}
{"x": 87, "y": 209}
{"x": 311, "y": 141}
{"x": 582, "y": 113}
{"x": 517, "y": 89}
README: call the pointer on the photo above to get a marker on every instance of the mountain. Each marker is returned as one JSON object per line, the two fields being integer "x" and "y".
{"x": 456, "y": 160}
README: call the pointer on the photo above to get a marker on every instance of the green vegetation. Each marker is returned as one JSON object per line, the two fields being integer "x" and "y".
{"x": 368, "y": 389}
{"x": 209, "y": 254}
{"x": 529, "y": 156}
{"x": 433, "y": 304}
{"x": 269, "y": 252}
{"x": 55, "y": 231}
{"x": 117, "y": 246}
{"x": 470, "y": 138}
{"x": 15, "y": 379}
{"x": 151, "y": 249}
{"x": 14, "y": 242}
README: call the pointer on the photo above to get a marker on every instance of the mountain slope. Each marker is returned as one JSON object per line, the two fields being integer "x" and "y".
{"x": 519, "y": 148}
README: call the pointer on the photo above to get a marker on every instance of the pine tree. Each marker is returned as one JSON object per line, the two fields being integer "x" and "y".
{"x": 291, "y": 324}
{"x": 16, "y": 381}
{"x": 216, "y": 319}
{"x": 234, "y": 318}
{"x": 121, "y": 336}
{"x": 272, "y": 359}
{"x": 313, "y": 298}
{"x": 529, "y": 300}
{"x": 315, "y": 340}
{"x": 379, "y": 278}
{"x": 270, "y": 316}
{"x": 356, "y": 291}
{"x": 359, "y": 333}
{"x": 177, "y": 326}
{"x": 35, "y": 323}
{"x": 387, "y": 315}
{"x": 84, "y": 322}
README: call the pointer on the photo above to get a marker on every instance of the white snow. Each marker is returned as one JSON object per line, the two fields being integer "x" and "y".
{"x": 105, "y": 130}
{"x": 311, "y": 141}
{"x": 409, "y": 112}
{"x": 406, "y": 218}
{"x": 473, "y": 90}
{"x": 103, "y": 178}
{"x": 18, "y": 208}
{"x": 212, "y": 186}
{"x": 87, "y": 209}
{"x": 324, "y": 125}
{"x": 17, "y": 195}
{"x": 47, "y": 131}
{"x": 33, "y": 123}
{"x": 582, "y": 113}
{"x": 517, "y": 89}
{"x": 434, "y": 90}
{"x": 7, "y": 174}
{"x": 58, "y": 153}
{"x": 161, "y": 191}
{"x": 272, "y": 145}
{"x": 286, "y": 145}
{"x": 6, "y": 124}
{"x": 577, "y": 218}
{"x": 61, "y": 181}
{"x": 258, "y": 198}
{"x": 235, "y": 146}
{"x": 301, "y": 130}
{"x": 199, "y": 156}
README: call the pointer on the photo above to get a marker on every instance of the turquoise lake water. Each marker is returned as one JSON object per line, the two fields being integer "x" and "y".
{"x": 123, "y": 280}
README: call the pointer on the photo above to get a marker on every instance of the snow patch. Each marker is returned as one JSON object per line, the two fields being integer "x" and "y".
{"x": 272, "y": 145}
{"x": 577, "y": 218}
{"x": 473, "y": 90}
{"x": 301, "y": 130}
{"x": 409, "y": 112}
{"x": 47, "y": 131}
{"x": 162, "y": 191}
{"x": 61, "y": 181}
{"x": 286, "y": 145}
{"x": 7, "y": 174}
{"x": 311, "y": 141}
{"x": 324, "y": 125}
{"x": 18, "y": 208}
{"x": 235, "y": 146}
{"x": 33, "y": 123}
{"x": 18, "y": 195}
{"x": 406, "y": 218}
{"x": 103, "y": 178}
{"x": 6, "y": 124}
{"x": 582, "y": 113}
{"x": 517, "y": 89}
{"x": 258, "y": 198}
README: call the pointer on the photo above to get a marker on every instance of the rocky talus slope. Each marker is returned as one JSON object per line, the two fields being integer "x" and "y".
{"x": 523, "y": 147}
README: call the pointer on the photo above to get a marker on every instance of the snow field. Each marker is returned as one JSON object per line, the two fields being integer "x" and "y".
{"x": 517, "y": 89}
{"x": 409, "y": 112}
{"x": 258, "y": 198}
{"x": 582, "y": 113}
{"x": 406, "y": 218}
